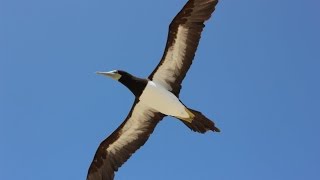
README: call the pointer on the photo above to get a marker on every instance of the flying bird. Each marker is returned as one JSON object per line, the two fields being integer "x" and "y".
{"x": 158, "y": 95}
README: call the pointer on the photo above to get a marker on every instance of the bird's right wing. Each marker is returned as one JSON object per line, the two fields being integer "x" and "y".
{"x": 123, "y": 142}
{"x": 183, "y": 39}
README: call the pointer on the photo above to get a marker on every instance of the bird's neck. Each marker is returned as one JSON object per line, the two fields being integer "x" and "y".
{"x": 135, "y": 84}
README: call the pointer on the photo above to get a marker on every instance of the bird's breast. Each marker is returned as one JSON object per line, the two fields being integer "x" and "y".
{"x": 157, "y": 97}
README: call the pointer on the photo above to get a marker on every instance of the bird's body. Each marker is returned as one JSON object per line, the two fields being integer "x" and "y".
{"x": 160, "y": 99}
{"x": 158, "y": 95}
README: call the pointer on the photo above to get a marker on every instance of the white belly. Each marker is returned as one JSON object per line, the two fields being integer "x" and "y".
{"x": 157, "y": 97}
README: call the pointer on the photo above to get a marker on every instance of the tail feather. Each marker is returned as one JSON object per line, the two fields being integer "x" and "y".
{"x": 200, "y": 123}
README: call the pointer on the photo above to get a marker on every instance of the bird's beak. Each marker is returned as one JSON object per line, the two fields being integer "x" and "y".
{"x": 111, "y": 74}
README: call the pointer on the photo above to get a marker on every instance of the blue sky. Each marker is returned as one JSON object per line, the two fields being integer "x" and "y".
{"x": 256, "y": 72}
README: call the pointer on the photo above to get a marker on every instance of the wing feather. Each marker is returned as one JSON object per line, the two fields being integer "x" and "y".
{"x": 123, "y": 142}
{"x": 183, "y": 39}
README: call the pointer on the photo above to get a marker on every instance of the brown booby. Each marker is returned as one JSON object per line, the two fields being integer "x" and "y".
{"x": 158, "y": 95}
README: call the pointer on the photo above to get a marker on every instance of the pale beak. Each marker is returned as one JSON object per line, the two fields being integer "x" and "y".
{"x": 111, "y": 74}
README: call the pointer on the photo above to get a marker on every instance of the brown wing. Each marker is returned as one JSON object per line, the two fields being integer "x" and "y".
{"x": 123, "y": 142}
{"x": 183, "y": 39}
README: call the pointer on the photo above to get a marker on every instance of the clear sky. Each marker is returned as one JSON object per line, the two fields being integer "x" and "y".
{"x": 256, "y": 73}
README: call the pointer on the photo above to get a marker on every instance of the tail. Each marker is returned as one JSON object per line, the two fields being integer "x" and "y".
{"x": 200, "y": 123}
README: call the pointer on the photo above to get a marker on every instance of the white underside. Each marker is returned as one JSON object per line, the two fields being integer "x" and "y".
{"x": 160, "y": 99}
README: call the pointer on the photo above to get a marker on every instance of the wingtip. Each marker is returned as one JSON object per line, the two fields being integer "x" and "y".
{"x": 215, "y": 129}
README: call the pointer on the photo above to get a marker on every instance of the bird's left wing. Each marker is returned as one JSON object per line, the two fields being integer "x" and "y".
{"x": 183, "y": 39}
{"x": 123, "y": 142}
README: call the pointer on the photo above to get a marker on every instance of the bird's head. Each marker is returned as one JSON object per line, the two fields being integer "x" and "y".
{"x": 115, "y": 74}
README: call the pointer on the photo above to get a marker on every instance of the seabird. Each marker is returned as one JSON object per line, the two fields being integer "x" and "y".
{"x": 158, "y": 95}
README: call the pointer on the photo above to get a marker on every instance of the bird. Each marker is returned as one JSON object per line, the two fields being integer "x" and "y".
{"x": 157, "y": 95}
